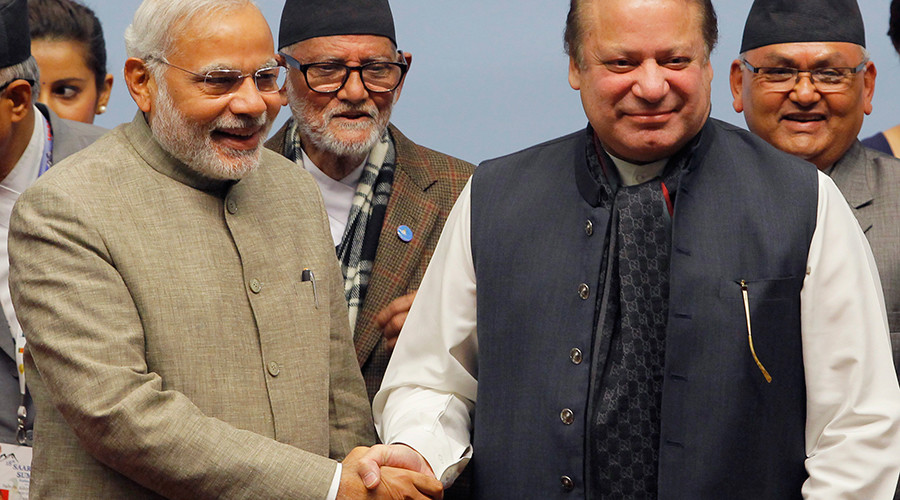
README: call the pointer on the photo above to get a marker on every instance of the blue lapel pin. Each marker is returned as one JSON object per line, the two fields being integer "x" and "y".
{"x": 405, "y": 233}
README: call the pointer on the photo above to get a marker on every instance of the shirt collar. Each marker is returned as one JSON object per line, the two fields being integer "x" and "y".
{"x": 141, "y": 138}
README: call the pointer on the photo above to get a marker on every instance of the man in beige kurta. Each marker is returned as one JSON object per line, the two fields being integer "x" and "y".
{"x": 187, "y": 330}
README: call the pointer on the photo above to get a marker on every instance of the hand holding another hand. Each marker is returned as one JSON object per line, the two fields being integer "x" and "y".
{"x": 388, "y": 471}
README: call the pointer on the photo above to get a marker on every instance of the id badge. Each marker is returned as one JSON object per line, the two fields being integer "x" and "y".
{"x": 15, "y": 471}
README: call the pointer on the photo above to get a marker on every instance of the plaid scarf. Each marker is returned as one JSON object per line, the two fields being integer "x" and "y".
{"x": 356, "y": 252}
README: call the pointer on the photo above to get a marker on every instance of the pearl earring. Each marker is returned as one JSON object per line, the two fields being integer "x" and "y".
{"x": 101, "y": 109}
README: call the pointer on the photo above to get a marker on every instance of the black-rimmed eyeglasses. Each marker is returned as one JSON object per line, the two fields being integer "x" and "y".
{"x": 219, "y": 82}
{"x": 329, "y": 77}
{"x": 781, "y": 79}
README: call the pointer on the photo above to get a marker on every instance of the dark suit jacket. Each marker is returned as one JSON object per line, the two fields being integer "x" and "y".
{"x": 68, "y": 138}
{"x": 870, "y": 181}
{"x": 426, "y": 184}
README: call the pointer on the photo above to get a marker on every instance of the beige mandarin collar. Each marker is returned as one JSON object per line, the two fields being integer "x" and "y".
{"x": 633, "y": 174}
{"x": 141, "y": 138}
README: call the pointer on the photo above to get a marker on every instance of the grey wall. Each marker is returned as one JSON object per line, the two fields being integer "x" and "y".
{"x": 489, "y": 76}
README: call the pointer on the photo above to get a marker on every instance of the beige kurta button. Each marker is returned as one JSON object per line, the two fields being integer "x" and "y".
{"x": 274, "y": 369}
{"x": 589, "y": 228}
{"x": 584, "y": 291}
{"x": 231, "y": 205}
{"x": 567, "y": 483}
{"x": 255, "y": 285}
{"x": 567, "y": 416}
{"x": 576, "y": 356}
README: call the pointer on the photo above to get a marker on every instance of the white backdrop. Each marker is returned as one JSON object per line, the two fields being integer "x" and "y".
{"x": 489, "y": 76}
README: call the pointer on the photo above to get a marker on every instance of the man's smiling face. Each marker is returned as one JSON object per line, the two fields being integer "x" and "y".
{"x": 803, "y": 121}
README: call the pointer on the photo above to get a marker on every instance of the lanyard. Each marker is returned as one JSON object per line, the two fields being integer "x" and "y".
{"x": 47, "y": 157}
{"x": 22, "y": 413}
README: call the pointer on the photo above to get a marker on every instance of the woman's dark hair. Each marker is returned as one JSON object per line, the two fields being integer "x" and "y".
{"x": 67, "y": 20}
{"x": 894, "y": 30}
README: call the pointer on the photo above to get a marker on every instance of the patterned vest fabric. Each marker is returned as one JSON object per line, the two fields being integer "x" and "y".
{"x": 742, "y": 211}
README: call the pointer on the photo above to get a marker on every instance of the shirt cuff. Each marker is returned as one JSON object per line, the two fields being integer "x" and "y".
{"x": 447, "y": 460}
{"x": 335, "y": 484}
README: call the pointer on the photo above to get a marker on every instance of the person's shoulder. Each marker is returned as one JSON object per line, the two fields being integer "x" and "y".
{"x": 881, "y": 158}
{"x": 883, "y": 170}
{"x": 101, "y": 151}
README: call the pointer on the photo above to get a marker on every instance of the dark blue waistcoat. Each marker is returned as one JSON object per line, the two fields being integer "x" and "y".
{"x": 743, "y": 211}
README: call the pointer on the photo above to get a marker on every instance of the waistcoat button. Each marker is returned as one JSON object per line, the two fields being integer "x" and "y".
{"x": 584, "y": 291}
{"x": 567, "y": 416}
{"x": 576, "y": 356}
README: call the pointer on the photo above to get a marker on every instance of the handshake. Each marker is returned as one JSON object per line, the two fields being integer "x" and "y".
{"x": 388, "y": 471}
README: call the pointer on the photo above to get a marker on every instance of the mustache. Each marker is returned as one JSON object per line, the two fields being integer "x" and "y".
{"x": 370, "y": 110}
{"x": 236, "y": 121}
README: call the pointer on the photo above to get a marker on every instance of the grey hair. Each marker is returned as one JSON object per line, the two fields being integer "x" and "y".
{"x": 25, "y": 70}
{"x": 157, "y": 23}
{"x": 863, "y": 51}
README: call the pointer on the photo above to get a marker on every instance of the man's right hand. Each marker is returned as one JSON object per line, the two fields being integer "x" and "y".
{"x": 391, "y": 472}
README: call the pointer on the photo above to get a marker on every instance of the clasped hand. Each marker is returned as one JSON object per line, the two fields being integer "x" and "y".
{"x": 388, "y": 471}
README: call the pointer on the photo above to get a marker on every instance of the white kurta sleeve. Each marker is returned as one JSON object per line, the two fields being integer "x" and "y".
{"x": 430, "y": 385}
{"x": 853, "y": 399}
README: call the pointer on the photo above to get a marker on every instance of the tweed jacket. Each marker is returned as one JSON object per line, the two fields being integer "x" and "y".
{"x": 870, "y": 181}
{"x": 68, "y": 138}
{"x": 426, "y": 184}
{"x": 176, "y": 349}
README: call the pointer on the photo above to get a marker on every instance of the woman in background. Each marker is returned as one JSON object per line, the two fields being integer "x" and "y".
{"x": 67, "y": 42}
{"x": 889, "y": 140}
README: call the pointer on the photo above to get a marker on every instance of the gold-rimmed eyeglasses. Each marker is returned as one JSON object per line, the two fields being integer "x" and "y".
{"x": 220, "y": 82}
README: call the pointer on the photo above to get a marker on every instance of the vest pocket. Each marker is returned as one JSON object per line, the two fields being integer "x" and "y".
{"x": 763, "y": 310}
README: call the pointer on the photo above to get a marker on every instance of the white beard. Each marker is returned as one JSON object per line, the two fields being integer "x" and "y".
{"x": 194, "y": 146}
{"x": 314, "y": 128}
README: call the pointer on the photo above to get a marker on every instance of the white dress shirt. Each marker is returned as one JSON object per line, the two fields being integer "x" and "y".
{"x": 19, "y": 178}
{"x": 853, "y": 398}
{"x": 338, "y": 195}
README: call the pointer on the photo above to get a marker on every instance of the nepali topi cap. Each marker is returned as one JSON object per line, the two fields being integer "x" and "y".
{"x": 15, "y": 39}
{"x": 305, "y": 19}
{"x": 793, "y": 21}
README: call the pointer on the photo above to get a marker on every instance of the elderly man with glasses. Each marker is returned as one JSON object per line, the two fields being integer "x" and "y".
{"x": 387, "y": 198}
{"x": 804, "y": 82}
{"x": 187, "y": 331}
